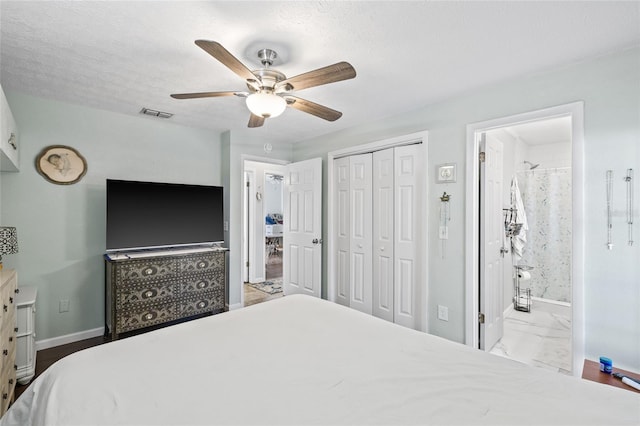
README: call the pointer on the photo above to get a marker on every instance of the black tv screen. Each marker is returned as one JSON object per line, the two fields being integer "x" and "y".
{"x": 143, "y": 215}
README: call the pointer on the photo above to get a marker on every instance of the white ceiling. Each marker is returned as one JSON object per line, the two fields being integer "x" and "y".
{"x": 124, "y": 55}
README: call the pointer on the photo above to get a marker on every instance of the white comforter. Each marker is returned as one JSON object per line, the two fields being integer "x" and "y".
{"x": 300, "y": 360}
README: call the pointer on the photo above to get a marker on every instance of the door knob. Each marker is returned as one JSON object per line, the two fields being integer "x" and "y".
{"x": 317, "y": 241}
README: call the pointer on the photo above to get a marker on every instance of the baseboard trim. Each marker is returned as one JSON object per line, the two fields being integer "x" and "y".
{"x": 508, "y": 310}
{"x": 69, "y": 338}
{"x": 235, "y": 306}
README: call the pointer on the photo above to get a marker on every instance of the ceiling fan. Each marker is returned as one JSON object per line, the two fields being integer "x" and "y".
{"x": 270, "y": 91}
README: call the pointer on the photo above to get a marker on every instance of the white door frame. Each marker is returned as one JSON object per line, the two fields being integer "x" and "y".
{"x": 361, "y": 149}
{"x": 574, "y": 110}
{"x": 243, "y": 159}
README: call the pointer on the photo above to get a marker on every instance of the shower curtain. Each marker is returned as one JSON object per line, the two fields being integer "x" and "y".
{"x": 547, "y": 202}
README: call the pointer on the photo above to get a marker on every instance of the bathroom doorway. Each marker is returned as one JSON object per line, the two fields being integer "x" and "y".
{"x": 533, "y": 295}
{"x": 536, "y": 266}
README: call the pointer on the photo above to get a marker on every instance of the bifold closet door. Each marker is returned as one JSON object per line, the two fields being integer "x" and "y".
{"x": 379, "y": 227}
{"x": 360, "y": 227}
{"x": 342, "y": 227}
{"x": 409, "y": 222}
{"x": 383, "y": 206}
{"x": 352, "y": 177}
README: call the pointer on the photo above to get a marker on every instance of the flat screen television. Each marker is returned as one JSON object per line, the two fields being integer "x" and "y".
{"x": 151, "y": 215}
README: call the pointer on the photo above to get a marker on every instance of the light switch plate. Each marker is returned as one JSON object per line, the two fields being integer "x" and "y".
{"x": 446, "y": 173}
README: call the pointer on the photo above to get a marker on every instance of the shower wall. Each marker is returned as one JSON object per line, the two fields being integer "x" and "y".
{"x": 546, "y": 194}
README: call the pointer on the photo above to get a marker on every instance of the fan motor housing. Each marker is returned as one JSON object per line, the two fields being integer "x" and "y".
{"x": 268, "y": 78}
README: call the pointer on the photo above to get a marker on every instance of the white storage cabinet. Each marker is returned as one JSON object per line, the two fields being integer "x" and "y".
{"x": 26, "y": 336}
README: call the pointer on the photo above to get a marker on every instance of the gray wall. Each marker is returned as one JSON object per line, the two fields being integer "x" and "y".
{"x": 610, "y": 88}
{"x": 61, "y": 228}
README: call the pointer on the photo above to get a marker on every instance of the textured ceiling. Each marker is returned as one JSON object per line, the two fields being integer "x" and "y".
{"x": 125, "y": 55}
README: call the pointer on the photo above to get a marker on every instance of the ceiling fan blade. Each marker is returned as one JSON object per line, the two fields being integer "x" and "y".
{"x": 204, "y": 95}
{"x": 313, "y": 108}
{"x": 256, "y": 121}
{"x": 329, "y": 74}
{"x": 216, "y": 50}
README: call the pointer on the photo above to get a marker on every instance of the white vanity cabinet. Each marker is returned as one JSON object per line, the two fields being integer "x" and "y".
{"x": 9, "y": 148}
{"x": 26, "y": 335}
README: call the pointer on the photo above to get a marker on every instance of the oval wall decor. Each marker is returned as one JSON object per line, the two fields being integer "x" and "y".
{"x": 61, "y": 164}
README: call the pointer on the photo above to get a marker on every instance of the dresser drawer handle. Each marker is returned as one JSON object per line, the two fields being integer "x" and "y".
{"x": 10, "y": 381}
{"x": 5, "y": 308}
{"x": 5, "y": 395}
{"x": 11, "y": 339}
{"x": 148, "y": 317}
{"x": 202, "y": 284}
{"x": 201, "y": 264}
{"x": 201, "y": 305}
{"x": 5, "y": 352}
{"x": 148, "y": 293}
{"x": 10, "y": 299}
{"x": 148, "y": 271}
{"x": 15, "y": 329}
{"x": 17, "y": 290}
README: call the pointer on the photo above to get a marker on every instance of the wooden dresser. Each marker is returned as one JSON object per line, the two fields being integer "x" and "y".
{"x": 151, "y": 289}
{"x": 8, "y": 290}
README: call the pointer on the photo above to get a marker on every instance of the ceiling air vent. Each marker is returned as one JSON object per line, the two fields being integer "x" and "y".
{"x": 154, "y": 113}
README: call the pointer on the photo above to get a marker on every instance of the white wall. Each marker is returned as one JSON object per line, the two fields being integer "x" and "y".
{"x": 549, "y": 155}
{"x": 610, "y": 88}
{"x": 273, "y": 197}
{"x": 61, "y": 228}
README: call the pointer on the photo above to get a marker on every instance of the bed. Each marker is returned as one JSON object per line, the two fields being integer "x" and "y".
{"x": 300, "y": 360}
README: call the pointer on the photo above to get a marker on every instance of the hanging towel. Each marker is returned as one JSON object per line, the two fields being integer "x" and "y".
{"x": 519, "y": 240}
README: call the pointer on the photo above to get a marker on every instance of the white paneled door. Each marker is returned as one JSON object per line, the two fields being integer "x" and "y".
{"x": 343, "y": 231}
{"x": 383, "y": 210}
{"x": 303, "y": 228}
{"x": 409, "y": 220}
{"x": 379, "y": 233}
{"x": 360, "y": 216}
{"x": 491, "y": 243}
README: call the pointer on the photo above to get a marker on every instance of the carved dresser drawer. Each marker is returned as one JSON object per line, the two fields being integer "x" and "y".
{"x": 146, "y": 316}
{"x": 160, "y": 288}
{"x": 8, "y": 336}
{"x": 155, "y": 268}
{"x": 154, "y": 292}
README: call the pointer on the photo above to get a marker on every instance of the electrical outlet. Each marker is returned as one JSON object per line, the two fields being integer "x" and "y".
{"x": 64, "y": 305}
{"x": 443, "y": 313}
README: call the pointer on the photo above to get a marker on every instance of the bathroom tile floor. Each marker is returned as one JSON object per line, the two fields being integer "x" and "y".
{"x": 541, "y": 338}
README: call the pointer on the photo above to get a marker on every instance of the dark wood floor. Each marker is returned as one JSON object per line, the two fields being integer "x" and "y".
{"x": 46, "y": 357}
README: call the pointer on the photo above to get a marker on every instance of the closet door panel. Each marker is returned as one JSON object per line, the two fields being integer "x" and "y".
{"x": 360, "y": 224}
{"x": 383, "y": 215}
{"x": 341, "y": 214}
{"x": 408, "y": 193}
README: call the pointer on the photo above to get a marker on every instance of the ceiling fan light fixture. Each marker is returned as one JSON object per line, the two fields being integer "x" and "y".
{"x": 266, "y": 105}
